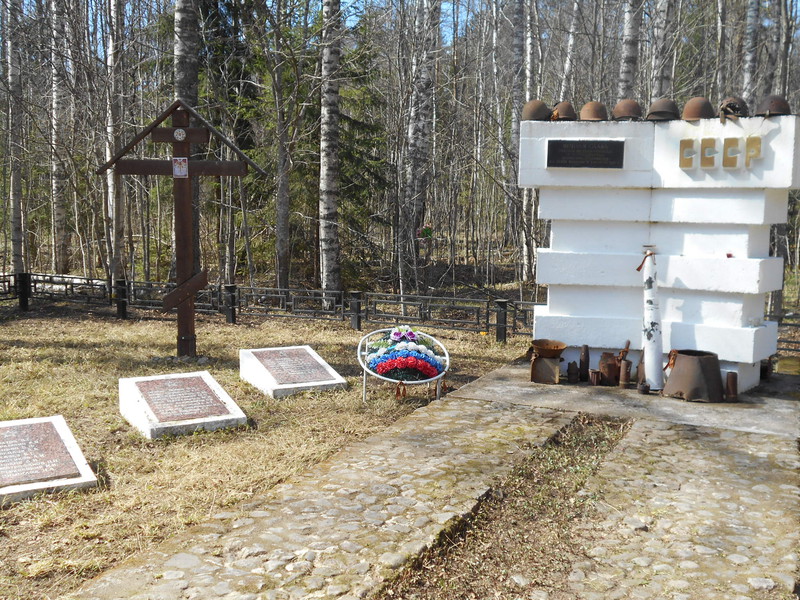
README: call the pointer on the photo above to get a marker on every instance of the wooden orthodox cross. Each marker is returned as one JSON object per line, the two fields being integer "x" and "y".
{"x": 182, "y": 168}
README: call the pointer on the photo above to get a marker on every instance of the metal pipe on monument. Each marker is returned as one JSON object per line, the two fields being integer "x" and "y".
{"x": 651, "y": 322}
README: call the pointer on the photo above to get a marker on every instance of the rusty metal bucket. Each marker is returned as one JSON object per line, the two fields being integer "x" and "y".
{"x": 545, "y": 348}
{"x": 695, "y": 377}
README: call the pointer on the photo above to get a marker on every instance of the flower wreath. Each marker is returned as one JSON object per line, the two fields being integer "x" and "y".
{"x": 405, "y": 355}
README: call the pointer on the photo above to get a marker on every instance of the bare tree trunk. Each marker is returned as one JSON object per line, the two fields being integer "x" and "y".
{"x": 113, "y": 113}
{"x": 568, "y": 55}
{"x": 662, "y": 64}
{"x": 721, "y": 79}
{"x": 59, "y": 122}
{"x": 186, "y": 70}
{"x": 330, "y": 268}
{"x": 750, "y": 59}
{"x": 15, "y": 112}
{"x": 418, "y": 136}
{"x": 630, "y": 49}
{"x": 787, "y": 29}
{"x": 282, "y": 251}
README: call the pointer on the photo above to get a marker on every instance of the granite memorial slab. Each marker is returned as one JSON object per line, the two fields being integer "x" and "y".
{"x": 40, "y": 455}
{"x": 177, "y": 404}
{"x": 280, "y": 372}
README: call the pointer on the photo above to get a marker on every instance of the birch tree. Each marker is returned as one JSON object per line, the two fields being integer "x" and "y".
{"x": 330, "y": 269}
{"x": 113, "y": 113}
{"x": 750, "y": 59}
{"x": 59, "y": 121}
{"x": 418, "y": 138}
{"x": 661, "y": 84}
{"x": 15, "y": 128}
{"x": 568, "y": 54}
{"x": 722, "y": 41}
{"x": 629, "y": 58}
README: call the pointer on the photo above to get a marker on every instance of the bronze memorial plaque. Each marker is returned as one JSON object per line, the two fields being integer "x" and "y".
{"x": 292, "y": 365}
{"x": 181, "y": 399}
{"x": 586, "y": 154}
{"x": 33, "y": 452}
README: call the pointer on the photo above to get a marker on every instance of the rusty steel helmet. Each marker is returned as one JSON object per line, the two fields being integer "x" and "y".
{"x": 563, "y": 111}
{"x": 594, "y": 111}
{"x": 663, "y": 109}
{"x": 773, "y": 106}
{"x": 733, "y": 106}
{"x": 698, "y": 108}
{"x": 536, "y": 110}
{"x": 627, "y": 110}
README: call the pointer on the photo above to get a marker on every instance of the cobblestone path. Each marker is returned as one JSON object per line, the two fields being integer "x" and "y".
{"x": 696, "y": 502}
{"x": 687, "y": 512}
{"x": 344, "y": 526}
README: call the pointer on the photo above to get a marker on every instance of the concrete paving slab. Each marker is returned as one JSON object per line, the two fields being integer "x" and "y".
{"x": 773, "y": 407}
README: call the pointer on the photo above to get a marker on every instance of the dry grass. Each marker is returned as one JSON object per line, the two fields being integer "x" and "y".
{"x": 66, "y": 360}
{"x": 526, "y": 529}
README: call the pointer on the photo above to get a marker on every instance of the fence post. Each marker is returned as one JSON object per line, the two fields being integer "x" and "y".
{"x": 23, "y": 284}
{"x": 355, "y": 310}
{"x": 121, "y": 295}
{"x": 502, "y": 320}
{"x": 230, "y": 303}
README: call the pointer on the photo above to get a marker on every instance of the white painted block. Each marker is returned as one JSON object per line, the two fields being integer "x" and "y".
{"x": 688, "y": 306}
{"x": 748, "y": 374}
{"x": 732, "y": 275}
{"x": 638, "y": 154}
{"x": 726, "y": 205}
{"x": 585, "y": 268}
{"x": 40, "y": 455}
{"x": 774, "y": 165}
{"x": 177, "y": 404}
{"x": 736, "y": 344}
{"x": 586, "y": 204}
{"x": 704, "y": 239}
{"x": 594, "y": 301}
{"x": 585, "y": 236}
{"x": 596, "y": 332}
{"x": 282, "y": 371}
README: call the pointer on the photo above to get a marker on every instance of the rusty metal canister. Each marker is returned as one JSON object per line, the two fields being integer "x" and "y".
{"x": 624, "y": 373}
{"x": 584, "y": 368}
{"x": 573, "y": 373}
{"x": 594, "y": 377}
{"x": 609, "y": 369}
{"x": 731, "y": 386}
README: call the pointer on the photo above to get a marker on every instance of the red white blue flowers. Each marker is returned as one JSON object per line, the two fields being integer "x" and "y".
{"x": 404, "y": 355}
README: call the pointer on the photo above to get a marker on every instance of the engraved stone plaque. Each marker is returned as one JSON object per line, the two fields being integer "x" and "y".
{"x": 38, "y": 455}
{"x": 292, "y": 365}
{"x": 181, "y": 398}
{"x": 33, "y": 452}
{"x": 283, "y": 371}
{"x": 586, "y": 154}
{"x": 177, "y": 404}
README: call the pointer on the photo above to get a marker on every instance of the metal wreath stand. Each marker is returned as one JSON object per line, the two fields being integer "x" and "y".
{"x": 361, "y": 354}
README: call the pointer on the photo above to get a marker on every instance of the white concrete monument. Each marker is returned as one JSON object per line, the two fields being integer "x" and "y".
{"x": 177, "y": 404}
{"x": 40, "y": 455}
{"x": 704, "y": 193}
{"x": 286, "y": 370}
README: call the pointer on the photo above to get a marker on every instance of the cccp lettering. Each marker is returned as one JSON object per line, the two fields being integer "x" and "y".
{"x": 710, "y": 153}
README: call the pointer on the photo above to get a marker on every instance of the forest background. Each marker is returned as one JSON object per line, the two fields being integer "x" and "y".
{"x": 388, "y": 129}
